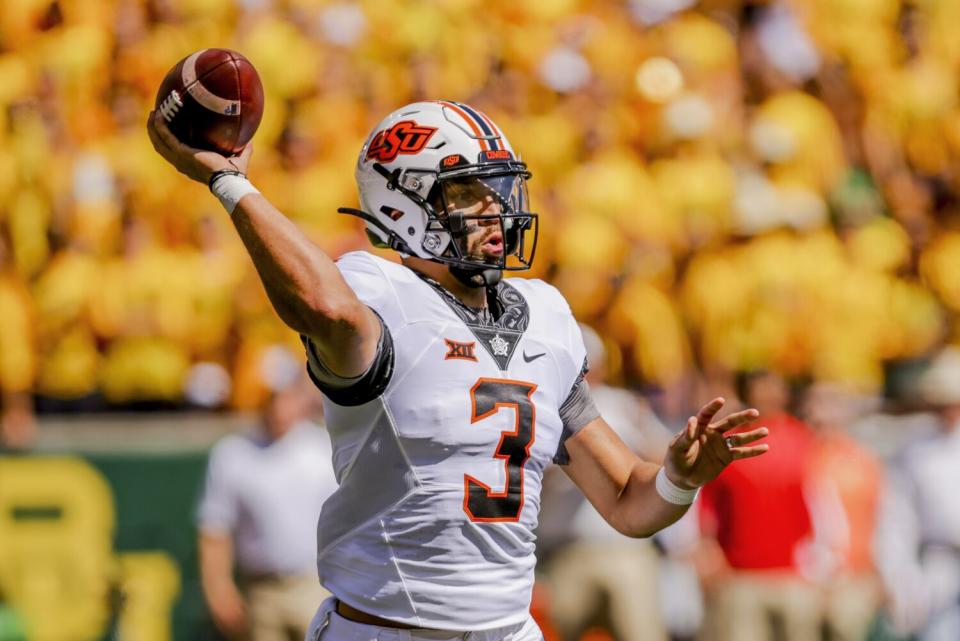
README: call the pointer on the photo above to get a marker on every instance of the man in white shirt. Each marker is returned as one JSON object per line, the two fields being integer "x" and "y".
{"x": 919, "y": 539}
{"x": 258, "y": 517}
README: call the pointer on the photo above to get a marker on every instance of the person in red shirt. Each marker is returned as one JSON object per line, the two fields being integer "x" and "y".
{"x": 847, "y": 473}
{"x": 756, "y": 527}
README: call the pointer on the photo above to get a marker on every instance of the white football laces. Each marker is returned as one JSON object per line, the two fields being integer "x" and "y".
{"x": 171, "y": 105}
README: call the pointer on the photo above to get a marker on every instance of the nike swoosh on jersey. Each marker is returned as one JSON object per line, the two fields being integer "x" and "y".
{"x": 530, "y": 359}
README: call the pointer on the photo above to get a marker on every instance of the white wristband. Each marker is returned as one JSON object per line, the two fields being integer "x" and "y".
{"x": 230, "y": 188}
{"x": 671, "y": 492}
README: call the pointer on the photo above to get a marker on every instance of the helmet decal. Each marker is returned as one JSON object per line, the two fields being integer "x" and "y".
{"x": 495, "y": 154}
{"x": 405, "y": 137}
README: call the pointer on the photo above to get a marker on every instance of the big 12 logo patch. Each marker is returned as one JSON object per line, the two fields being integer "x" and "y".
{"x": 405, "y": 137}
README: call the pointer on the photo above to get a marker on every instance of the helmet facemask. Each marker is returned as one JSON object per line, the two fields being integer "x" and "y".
{"x": 483, "y": 210}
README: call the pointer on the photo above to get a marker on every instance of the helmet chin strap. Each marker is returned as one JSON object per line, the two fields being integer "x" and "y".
{"x": 476, "y": 276}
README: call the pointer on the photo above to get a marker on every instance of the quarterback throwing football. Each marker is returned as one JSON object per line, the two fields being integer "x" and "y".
{"x": 447, "y": 388}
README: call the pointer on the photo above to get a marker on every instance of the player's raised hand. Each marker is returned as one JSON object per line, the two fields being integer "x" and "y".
{"x": 704, "y": 447}
{"x": 197, "y": 164}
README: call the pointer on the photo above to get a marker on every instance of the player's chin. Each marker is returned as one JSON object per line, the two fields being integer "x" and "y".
{"x": 492, "y": 257}
{"x": 486, "y": 260}
{"x": 485, "y": 254}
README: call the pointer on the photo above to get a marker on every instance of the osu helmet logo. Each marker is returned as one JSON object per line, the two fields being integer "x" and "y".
{"x": 405, "y": 137}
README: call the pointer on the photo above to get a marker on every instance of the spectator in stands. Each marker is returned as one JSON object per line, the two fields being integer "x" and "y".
{"x": 920, "y": 538}
{"x": 17, "y": 358}
{"x": 846, "y": 474}
{"x": 700, "y": 147}
{"x": 142, "y": 309}
{"x": 258, "y": 517}
{"x": 595, "y": 574}
{"x": 751, "y": 565}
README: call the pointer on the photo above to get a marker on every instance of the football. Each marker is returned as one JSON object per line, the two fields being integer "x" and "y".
{"x": 213, "y": 100}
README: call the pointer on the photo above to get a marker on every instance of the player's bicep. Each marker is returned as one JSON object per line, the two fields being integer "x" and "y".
{"x": 600, "y": 464}
{"x": 356, "y": 389}
{"x": 348, "y": 347}
{"x": 348, "y": 344}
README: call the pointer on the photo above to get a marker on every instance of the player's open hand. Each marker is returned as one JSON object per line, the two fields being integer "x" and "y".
{"x": 704, "y": 447}
{"x": 197, "y": 164}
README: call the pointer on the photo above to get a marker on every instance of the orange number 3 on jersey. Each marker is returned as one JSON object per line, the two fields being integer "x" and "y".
{"x": 487, "y": 397}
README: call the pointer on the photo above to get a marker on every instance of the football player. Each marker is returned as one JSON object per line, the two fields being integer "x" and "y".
{"x": 447, "y": 388}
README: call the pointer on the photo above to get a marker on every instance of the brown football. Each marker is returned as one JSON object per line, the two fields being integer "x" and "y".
{"x": 212, "y": 99}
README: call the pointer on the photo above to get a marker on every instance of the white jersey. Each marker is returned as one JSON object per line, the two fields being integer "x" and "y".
{"x": 440, "y": 474}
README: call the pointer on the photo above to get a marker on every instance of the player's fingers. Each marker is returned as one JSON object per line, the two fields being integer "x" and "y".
{"x": 708, "y": 411}
{"x": 735, "y": 420}
{"x": 163, "y": 140}
{"x": 170, "y": 140}
{"x": 163, "y": 131}
{"x": 744, "y": 438}
{"x": 155, "y": 139}
{"x": 739, "y": 453}
{"x": 242, "y": 160}
{"x": 688, "y": 434}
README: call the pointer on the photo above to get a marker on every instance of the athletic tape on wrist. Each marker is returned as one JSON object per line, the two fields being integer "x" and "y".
{"x": 229, "y": 187}
{"x": 671, "y": 492}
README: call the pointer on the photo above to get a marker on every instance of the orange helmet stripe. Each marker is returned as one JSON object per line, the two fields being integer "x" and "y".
{"x": 460, "y": 112}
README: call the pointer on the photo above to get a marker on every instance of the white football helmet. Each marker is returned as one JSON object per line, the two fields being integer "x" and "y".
{"x": 414, "y": 171}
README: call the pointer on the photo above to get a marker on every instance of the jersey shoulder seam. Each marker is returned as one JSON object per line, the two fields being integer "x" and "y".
{"x": 381, "y": 266}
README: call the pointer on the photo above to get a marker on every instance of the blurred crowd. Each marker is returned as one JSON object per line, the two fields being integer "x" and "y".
{"x": 724, "y": 184}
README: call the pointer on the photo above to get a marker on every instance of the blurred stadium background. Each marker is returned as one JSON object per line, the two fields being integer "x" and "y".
{"x": 724, "y": 186}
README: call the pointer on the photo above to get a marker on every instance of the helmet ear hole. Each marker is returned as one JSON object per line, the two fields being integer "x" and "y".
{"x": 435, "y": 198}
